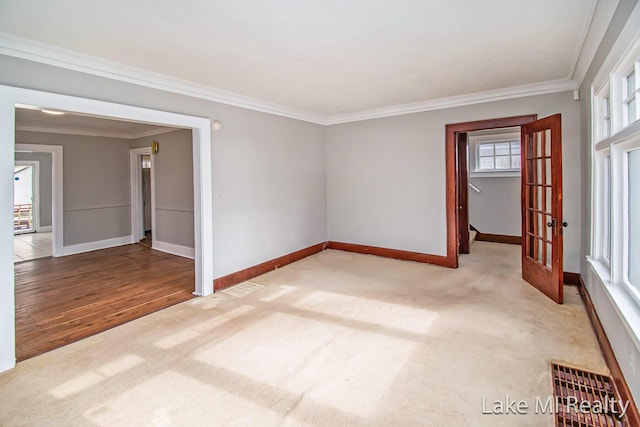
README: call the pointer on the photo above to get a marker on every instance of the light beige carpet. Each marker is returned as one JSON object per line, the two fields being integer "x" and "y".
{"x": 335, "y": 339}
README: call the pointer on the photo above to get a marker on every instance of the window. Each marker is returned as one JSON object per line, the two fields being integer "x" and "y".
{"x": 606, "y": 209}
{"x": 633, "y": 221}
{"x": 615, "y": 226}
{"x": 494, "y": 153}
{"x": 630, "y": 98}
{"x": 494, "y": 156}
{"x": 602, "y": 114}
{"x": 606, "y": 117}
{"x": 146, "y": 161}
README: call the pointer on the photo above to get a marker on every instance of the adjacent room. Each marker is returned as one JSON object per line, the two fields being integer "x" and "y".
{"x": 333, "y": 213}
{"x": 109, "y": 202}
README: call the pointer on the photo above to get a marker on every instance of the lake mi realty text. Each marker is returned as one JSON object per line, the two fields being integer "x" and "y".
{"x": 553, "y": 405}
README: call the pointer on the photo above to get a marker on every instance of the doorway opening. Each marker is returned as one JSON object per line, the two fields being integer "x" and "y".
{"x": 494, "y": 199}
{"x": 25, "y": 197}
{"x": 12, "y": 98}
{"x": 142, "y": 196}
{"x": 147, "y": 194}
{"x": 457, "y": 196}
{"x": 541, "y": 194}
{"x": 33, "y": 205}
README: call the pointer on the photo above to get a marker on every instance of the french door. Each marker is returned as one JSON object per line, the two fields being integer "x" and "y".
{"x": 542, "y": 222}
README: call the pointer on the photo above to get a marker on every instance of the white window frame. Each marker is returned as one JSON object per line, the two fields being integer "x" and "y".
{"x": 602, "y": 113}
{"x": 600, "y": 210}
{"x": 496, "y": 137}
{"x": 620, "y": 211}
{"x": 627, "y": 97}
{"x": 624, "y": 136}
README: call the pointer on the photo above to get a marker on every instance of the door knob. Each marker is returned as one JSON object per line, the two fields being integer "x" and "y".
{"x": 564, "y": 224}
{"x": 551, "y": 223}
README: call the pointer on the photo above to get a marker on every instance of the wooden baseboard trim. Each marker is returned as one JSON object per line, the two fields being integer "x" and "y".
{"x": 392, "y": 253}
{"x": 572, "y": 279}
{"x": 616, "y": 373}
{"x": 256, "y": 270}
{"x": 498, "y": 238}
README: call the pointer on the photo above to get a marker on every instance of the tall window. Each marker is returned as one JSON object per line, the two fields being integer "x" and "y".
{"x": 630, "y": 98}
{"x": 616, "y": 180}
{"x": 633, "y": 220}
{"x": 606, "y": 210}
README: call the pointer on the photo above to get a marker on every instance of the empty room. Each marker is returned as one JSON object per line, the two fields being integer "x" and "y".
{"x": 332, "y": 213}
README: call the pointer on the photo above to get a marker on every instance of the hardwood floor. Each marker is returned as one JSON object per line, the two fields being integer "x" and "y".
{"x": 62, "y": 300}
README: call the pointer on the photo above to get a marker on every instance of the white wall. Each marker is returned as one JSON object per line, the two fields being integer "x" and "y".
{"x": 497, "y": 208}
{"x": 386, "y": 177}
{"x": 96, "y": 186}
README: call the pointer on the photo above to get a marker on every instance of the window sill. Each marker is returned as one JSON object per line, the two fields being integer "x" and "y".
{"x": 504, "y": 174}
{"x": 625, "y": 306}
{"x": 601, "y": 269}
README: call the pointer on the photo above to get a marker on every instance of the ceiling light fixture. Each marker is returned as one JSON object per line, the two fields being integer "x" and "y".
{"x": 53, "y": 112}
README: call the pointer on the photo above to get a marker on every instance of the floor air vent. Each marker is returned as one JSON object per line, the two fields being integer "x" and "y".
{"x": 585, "y": 399}
{"x": 243, "y": 289}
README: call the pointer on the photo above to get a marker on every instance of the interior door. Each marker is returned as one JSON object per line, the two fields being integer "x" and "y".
{"x": 463, "y": 193}
{"x": 542, "y": 223}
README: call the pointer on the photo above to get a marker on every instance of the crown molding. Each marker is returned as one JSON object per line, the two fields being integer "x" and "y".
{"x": 19, "y": 47}
{"x": 31, "y": 50}
{"x": 91, "y": 132}
{"x": 543, "y": 88}
{"x": 592, "y": 34}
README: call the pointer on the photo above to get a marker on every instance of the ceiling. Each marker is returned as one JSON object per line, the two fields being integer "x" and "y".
{"x": 32, "y": 119}
{"x": 326, "y": 58}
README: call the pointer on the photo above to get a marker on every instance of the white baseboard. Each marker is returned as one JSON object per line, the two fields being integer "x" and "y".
{"x": 45, "y": 229}
{"x": 94, "y": 246}
{"x": 170, "y": 248}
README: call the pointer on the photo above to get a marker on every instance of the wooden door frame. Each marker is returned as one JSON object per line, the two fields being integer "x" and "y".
{"x": 452, "y": 173}
{"x": 462, "y": 145}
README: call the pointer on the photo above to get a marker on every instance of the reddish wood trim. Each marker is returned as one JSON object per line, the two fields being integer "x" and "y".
{"x": 616, "y": 373}
{"x": 463, "y": 193}
{"x": 499, "y": 238}
{"x": 572, "y": 279}
{"x": 256, "y": 270}
{"x": 391, "y": 253}
{"x": 451, "y": 178}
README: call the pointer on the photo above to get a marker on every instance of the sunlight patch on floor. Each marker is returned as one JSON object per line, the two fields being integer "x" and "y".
{"x": 379, "y": 313}
{"x": 171, "y": 341}
{"x": 282, "y": 291}
{"x": 187, "y": 402}
{"x": 90, "y": 379}
{"x": 345, "y": 368}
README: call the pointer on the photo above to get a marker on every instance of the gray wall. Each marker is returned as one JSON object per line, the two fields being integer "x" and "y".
{"x": 623, "y": 344}
{"x": 268, "y": 176}
{"x": 173, "y": 175}
{"x": 96, "y": 200}
{"x": 496, "y": 209}
{"x": 386, "y": 177}
{"x": 44, "y": 184}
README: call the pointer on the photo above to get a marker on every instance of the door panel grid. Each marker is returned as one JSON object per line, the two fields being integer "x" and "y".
{"x": 542, "y": 205}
